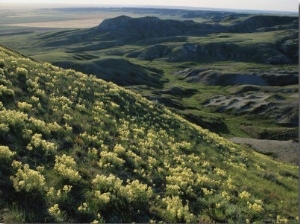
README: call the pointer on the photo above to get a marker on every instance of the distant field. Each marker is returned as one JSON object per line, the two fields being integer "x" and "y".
{"x": 242, "y": 39}
{"x": 65, "y": 18}
{"x": 76, "y": 23}
{"x": 55, "y": 19}
{"x": 52, "y": 18}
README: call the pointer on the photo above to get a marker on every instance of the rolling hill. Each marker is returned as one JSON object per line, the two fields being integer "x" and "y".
{"x": 75, "y": 148}
{"x": 187, "y": 40}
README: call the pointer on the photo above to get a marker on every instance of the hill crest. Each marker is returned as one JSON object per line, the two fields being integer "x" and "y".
{"x": 151, "y": 26}
{"x": 147, "y": 27}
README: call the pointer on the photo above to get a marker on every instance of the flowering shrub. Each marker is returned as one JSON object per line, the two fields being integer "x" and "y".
{"x": 35, "y": 99}
{"x": 39, "y": 125}
{"x": 26, "y": 134}
{"x": 56, "y": 213}
{"x": 280, "y": 219}
{"x": 5, "y": 153}
{"x": 133, "y": 192}
{"x": 22, "y": 71}
{"x": 244, "y": 194}
{"x": 65, "y": 166}
{"x": 67, "y": 117}
{"x": 24, "y": 106}
{"x": 80, "y": 107}
{"x": 91, "y": 140}
{"x": 37, "y": 142}
{"x": 102, "y": 199}
{"x": 4, "y": 91}
{"x": 255, "y": 207}
{"x": 107, "y": 183}
{"x": 225, "y": 195}
{"x": 27, "y": 179}
{"x": 83, "y": 207}
{"x": 110, "y": 159}
{"x": 54, "y": 127}
{"x": 136, "y": 192}
{"x": 119, "y": 149}
{"x": 92, "y": 154}
{"x": 176, "y": 211}
{"x": 180, "y": 177}
{"x": 11, "y": 119}
{"x": 58, "y": 195}
{"x": 207, "y": 191}
{"x": 32, "y": 85}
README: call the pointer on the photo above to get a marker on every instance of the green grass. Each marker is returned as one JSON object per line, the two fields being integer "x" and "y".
{"x": 241, "y": 39}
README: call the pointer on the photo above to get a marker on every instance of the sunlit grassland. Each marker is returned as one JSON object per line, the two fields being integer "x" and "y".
{"x": 241, "y": 39}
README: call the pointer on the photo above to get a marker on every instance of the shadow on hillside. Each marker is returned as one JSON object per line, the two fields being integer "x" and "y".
{"x": 119, "y": 71}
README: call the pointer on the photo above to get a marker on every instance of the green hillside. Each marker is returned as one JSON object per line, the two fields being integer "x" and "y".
{"x": 74, "y": 148}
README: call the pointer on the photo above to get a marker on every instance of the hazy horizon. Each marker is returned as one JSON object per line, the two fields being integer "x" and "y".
{"x": 266, "y": 5}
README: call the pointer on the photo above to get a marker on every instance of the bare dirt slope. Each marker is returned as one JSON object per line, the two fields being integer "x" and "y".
{"x": 285, "y": 151}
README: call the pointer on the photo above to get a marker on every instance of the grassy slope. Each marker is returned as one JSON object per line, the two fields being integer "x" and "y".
{"x": 74, "y": 148}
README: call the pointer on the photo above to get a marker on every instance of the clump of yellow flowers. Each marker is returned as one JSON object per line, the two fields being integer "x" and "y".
{"x": 5, "y": 153}
{"x": 26, "y": 178}
{"x": 65, "y": 166}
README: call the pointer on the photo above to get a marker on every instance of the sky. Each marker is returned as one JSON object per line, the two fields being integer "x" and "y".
{"x": 269, "y": 5}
